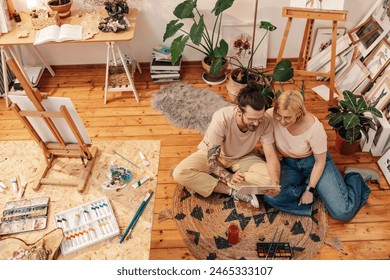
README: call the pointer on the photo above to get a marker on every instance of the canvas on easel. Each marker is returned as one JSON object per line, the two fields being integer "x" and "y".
{"x": 56, "y": 127}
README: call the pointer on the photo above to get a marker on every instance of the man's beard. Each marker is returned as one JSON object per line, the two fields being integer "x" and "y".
{"x": 252, "y": 127}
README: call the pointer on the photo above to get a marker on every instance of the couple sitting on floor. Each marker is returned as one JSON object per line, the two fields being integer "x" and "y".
{"x": 225, "y": 160}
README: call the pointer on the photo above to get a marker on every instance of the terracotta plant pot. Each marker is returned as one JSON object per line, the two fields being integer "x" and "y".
{"x": 345, "y": 148}
{"x": 63, "y": 10}
{"x": 232, "y": 86}
{"x": 214, "y": 79}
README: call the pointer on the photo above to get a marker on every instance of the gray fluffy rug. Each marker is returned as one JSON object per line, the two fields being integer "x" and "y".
{"x": 186, "y": 106}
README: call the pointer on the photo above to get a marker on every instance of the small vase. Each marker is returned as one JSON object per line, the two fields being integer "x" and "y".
{"x": 213, "y": 79}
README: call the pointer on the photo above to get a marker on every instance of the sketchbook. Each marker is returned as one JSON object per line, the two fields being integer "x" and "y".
{"x": 55, "y": 33}
{"x": 271, "y": 190}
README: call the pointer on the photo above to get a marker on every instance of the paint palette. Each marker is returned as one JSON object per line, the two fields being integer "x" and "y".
{"x": 86, "y": 225}
{"x": 24, "y": 215}
{"x": 274, "y": 250}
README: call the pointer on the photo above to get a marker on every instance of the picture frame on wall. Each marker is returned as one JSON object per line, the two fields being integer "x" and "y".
{"x": 323, "y": 38}
{"x": 379, "y": 95}
{"x": 384, "y": 165}
{"x": 381, "y": 141}
{"x": 239, "y": 39}
{"x": 378, "y": 59}
{"x": 364, "y": 31}
{"x": 352, "y": 77}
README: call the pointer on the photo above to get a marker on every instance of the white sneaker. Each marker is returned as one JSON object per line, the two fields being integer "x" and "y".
{"x": 250, "y": 198}
{"x": 368, "y": 174}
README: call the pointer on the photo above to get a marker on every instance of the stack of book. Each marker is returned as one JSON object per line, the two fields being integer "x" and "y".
{"x": 161, "y": 67}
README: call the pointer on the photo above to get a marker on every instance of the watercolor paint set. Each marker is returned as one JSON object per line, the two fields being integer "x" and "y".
{"x": 86, "y": 225}
{"x": 272, "y": 250}
{"x": 24, "y": 215}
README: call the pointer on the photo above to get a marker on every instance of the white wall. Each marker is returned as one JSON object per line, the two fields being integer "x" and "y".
{"x": 155, "y": 14}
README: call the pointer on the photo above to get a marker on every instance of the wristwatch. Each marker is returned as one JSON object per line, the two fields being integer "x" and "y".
{"x": 310, "y": 189}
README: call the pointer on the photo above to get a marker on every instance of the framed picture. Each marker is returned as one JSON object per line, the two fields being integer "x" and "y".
{"x": 381, "y": 140}
{"x": 352, "y": 77}
{"x": 239, "y": 39}
{"x": 384, "y": 165}
{"x": 364, "y": 31}
{"x": 382, "y": 14}
{"x": 379, "y": 95}
{"x": 318, "y": 4}
{"x": 378, "y": 60}
{"x": 323, "y": 39}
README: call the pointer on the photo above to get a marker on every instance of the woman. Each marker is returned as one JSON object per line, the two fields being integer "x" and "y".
{"x": 307, "y": 167}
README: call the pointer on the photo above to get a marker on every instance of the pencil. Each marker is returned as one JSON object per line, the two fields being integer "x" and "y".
{"x": 277, "y": 244}
{"x": 137, "y": 215}
{"x": 270, "y": 245}
{"x": 126, "y": 159}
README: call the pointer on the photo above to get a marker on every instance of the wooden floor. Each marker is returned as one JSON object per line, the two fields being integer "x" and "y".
{"x": 367, "y": 236}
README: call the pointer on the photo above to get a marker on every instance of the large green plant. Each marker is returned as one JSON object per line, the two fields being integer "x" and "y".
{"x": 349, "y": 118}
{"x": 198, "y": 37}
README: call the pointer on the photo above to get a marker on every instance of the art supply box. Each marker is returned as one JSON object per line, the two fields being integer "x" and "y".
{"x": 86, "y": 225}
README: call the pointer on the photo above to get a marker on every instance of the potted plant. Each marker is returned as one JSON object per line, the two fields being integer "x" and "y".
{"x": 61, "y": 6}
{"x": 199, "y": 37}
{"x": 351, "y": 119}
{"x": 243, "y": 74}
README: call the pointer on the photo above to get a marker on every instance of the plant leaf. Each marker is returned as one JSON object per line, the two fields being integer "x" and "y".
{"x": 283, "y": 71}
{"x": 374, "y": 110}
{"x": 353, "y": 135}
{"x": 177, "y": 47}
{"x": 268, "y": 95}
{"x": 335, "y": 120}
{"x": 361, "y": 105}
{"x": 185, "y": 9}
{"x": 222, "y": 49}
{"x": 197, "y": 31}
{"x": 221, "y": 6}
{"x": 350, "y": 99}
{"x": 216, "y": 66}
{"x": 350, "y": 120}
{"x": 267, "y": 26}
{"x": 172, "y": 28}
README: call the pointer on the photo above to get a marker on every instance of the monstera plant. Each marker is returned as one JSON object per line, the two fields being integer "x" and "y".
{"x": 205, "y": 40}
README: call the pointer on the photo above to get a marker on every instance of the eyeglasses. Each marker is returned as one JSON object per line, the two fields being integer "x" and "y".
{"x": 286, "y": 119}
{"x": 253, "y": 120}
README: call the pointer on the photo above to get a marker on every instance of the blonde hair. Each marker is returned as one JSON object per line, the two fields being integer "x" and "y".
{"x": 291, "y": 100}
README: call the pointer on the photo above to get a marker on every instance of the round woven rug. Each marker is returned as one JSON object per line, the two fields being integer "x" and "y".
{"x": 203, "y": 224}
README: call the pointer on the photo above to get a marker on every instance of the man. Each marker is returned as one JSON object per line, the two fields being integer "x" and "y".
{"x": 225, "y": 160}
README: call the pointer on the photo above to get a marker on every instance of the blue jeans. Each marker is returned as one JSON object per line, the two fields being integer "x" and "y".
{"x": 343, "y": 197}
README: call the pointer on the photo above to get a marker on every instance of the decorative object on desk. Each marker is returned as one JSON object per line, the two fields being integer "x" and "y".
{"x": 17, "y": 17}
{"x": 186, "y": 106}
{"x": 215, "y": 49}
{"x": 116, "y": 20}
{"x": 42, "y": 18}
{"x": 61, "y": 6}
{"x": 202, "y": 223}
{"x": 350, "y": 122}
{"x": 118, "y": 177}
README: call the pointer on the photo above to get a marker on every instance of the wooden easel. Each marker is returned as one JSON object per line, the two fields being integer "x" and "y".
{"x": 311, "y": 15}
{"x": 53, "y": 150}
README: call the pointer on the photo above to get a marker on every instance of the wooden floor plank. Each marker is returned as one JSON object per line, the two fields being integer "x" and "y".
{"x": 367, "y": 236}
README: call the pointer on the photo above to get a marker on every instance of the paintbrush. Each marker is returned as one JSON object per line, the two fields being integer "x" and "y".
{"x": 137, "y": 215}
{"x": 270, "y": 245}
{"x": 277, "y": 244}
{"x": 126, "y": 159}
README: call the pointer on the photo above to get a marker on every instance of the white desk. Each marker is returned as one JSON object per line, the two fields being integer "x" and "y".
{"x": 11, "y": 39}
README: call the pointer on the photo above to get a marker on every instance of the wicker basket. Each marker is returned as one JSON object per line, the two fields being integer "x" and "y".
{"x": 117, "y": 75}
{"x": 40, "y": 20}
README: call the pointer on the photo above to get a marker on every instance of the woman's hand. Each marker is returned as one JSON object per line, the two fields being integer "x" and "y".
{"x": 306, "y": 198}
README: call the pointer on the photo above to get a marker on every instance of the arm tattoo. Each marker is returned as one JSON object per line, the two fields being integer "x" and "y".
{"x": 215, "y": 166}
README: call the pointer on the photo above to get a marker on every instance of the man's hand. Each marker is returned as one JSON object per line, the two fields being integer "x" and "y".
{"x": 236, "y": 178}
